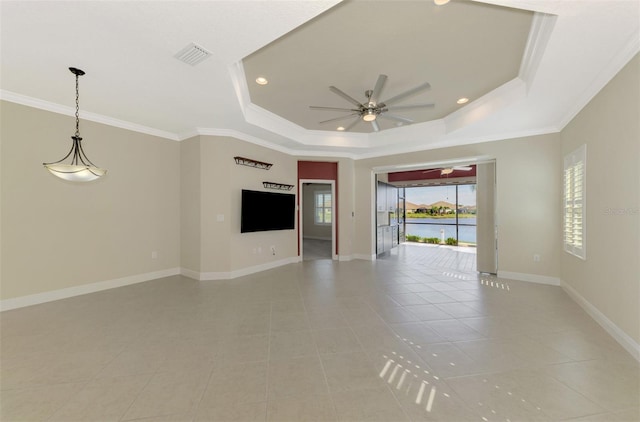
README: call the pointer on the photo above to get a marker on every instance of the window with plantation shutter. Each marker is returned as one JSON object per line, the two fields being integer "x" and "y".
{"x": 575, "y": 165}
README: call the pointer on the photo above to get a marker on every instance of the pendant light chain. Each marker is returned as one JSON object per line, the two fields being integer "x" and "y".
{"x": 77, "y": 107}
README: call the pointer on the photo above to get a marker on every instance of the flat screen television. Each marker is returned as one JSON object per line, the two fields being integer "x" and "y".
{"x": 265, "y": 211}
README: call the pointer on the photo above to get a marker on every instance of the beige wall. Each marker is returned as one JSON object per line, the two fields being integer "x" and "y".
{"x": 528, "y": 199}
{"x": 212, "y": 184}
{"x": 347, "y": 208}
{"x": 190, "y": 204}
{"x": 58, "y": 234}
{"x": 609, "y": 125}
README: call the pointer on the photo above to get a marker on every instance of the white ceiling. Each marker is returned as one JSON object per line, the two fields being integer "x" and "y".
{"x": 574, "y": 48}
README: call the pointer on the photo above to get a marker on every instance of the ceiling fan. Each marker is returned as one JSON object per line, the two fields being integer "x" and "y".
{"x": 448, "y": 170}
{"x": 372, "y": 108}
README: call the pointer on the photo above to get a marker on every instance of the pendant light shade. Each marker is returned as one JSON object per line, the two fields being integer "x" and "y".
{"x": 79, "y": 168}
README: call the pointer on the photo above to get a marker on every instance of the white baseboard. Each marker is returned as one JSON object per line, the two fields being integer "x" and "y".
{"x": 190, "y": 273}
{"x": 345, "y": 258}
{"x": 614, "y": 331}
{"x": 532, "y": 278}
{"x": 35, "y": 299}
{"x": 228, "y": 275}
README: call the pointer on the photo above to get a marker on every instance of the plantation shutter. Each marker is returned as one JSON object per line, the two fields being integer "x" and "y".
{"x": 574, "y": 202}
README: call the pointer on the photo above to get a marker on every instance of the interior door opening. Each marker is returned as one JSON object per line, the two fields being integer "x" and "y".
{"x": 317, "y": 215}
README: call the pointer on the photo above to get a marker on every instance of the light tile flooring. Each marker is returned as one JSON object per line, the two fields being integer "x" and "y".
{"x": 319, "y": 340}
{"x": 313, "y": 249}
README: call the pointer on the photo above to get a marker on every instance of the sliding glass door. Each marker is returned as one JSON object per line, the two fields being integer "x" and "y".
{"x": 441, "y": 214}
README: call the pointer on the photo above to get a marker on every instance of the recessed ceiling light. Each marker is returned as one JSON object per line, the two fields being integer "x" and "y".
{"x": 261, "y": 80}
{"x": 340, "y": 128}
{"x": 463, "y": 100}
{"x": 440, "y": 2}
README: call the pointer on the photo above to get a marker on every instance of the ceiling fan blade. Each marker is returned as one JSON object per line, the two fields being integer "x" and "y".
{"x": 410, "y": 107}
{"x": 332, "y": 108}
{"x": 463, "y": 168}
{"x": 352, "y": 124}
{"x": 376, "y": 128}
{"x": 345, "y": 96}
{"x": 430, "y": 170}
{"x": 339, "y": 118}
{"x": 378, "y": 89}
{"x": 396, "y": 118}
{"x": 408, "y": 93}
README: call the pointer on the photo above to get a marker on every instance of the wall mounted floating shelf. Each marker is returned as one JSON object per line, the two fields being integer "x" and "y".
{"x": 279, "y": 186}
{"x": 252, "y": 163}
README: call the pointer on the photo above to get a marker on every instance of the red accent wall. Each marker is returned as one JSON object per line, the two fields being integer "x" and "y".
{"x": 321, "y": 170}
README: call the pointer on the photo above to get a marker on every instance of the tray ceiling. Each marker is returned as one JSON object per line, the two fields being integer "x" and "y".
{"x": 463, "y": 49}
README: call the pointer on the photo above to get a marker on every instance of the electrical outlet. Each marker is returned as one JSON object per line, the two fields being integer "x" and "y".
{"x": 273, "y": 250}
{"x": 536, "y": 258}
{"x": 154, "y": 255}
{"x": 259, "y": 249}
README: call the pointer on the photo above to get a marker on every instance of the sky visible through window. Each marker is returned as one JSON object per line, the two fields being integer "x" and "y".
{"x": 431, "y": 194}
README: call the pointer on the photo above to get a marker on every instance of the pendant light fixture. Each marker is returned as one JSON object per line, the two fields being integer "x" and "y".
{"x": 80, "y": 168}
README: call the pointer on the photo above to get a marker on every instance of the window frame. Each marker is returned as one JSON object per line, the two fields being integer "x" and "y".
{"x": 574, "y": 233}
{"x": 323, "y": 207}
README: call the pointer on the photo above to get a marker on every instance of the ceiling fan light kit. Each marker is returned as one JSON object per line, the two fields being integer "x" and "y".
{"x": 80, "y": 168}
{"x": 369, "y": 116}
{"x": 446, "y": 171}
{"x": 372, "y": 108}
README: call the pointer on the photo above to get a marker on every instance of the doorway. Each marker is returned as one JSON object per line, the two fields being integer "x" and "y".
{"x": 317, "y": 219}
{"x": 441, "y": 214}
{"x": 460, "y": 217}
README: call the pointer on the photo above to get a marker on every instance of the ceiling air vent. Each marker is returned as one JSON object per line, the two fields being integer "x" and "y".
{"x": 192, "y": 54}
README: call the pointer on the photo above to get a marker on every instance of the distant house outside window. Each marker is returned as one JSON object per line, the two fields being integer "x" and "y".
{"x": 575, "y": 176}
{"x": 323, "y": 208}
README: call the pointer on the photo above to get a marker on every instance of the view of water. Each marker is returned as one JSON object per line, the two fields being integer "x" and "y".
{"x": 416, "y": 227}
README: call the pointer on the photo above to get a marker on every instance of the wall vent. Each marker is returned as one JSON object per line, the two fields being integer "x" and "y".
{"x": 192, "y": 54}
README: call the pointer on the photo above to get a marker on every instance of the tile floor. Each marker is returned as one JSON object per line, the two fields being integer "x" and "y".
{"x": 319, "y": 340}
{"x": 313, "y": 249}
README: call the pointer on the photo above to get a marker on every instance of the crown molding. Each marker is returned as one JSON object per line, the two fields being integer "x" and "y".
{"x": 541, "y": 28}
{"x": 615, "y": 65}
{"x": 382, "y": 149}
{"x": 371, "y": 152}
{"x": 445, "y": 143}
{"x": 232, "y": 133}
{"x": 92, "y": 117}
